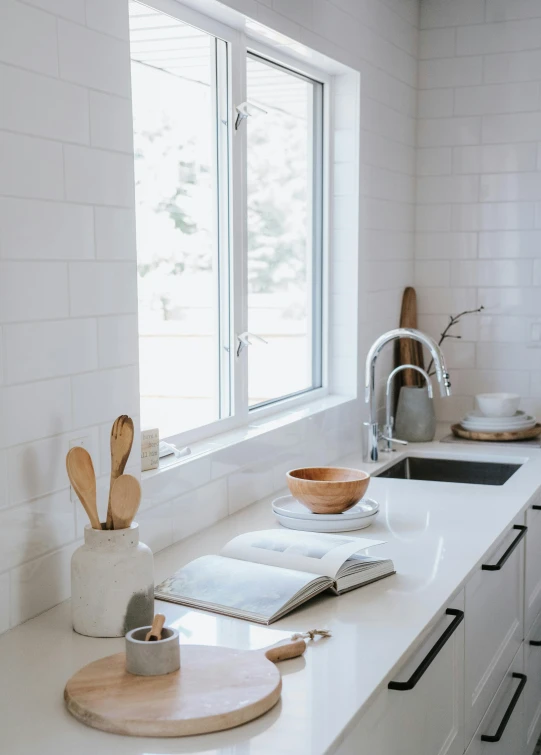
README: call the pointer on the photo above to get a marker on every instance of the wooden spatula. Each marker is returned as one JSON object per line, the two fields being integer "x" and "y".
{"x": 125, "y": 500}
{"x": 121, "y": 443}
{"x": 83, "y": 479}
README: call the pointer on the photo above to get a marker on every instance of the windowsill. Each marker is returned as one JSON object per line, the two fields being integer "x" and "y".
{"x": 255, "y": 429}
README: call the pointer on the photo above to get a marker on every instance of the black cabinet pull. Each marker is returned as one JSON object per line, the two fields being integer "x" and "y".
{"x": 536, "y": 508}
{"x": 535, "y": 643}
{"x": 503, "y": 559}
{"x": 509, "y": 712}
{"x": 427, "y": 660}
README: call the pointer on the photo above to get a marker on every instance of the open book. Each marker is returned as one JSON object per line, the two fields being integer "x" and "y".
{"x": 261, "y": 576}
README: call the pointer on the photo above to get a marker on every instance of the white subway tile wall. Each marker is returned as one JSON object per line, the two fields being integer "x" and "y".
{"x": 480, "y": 117}
{"x": 68, "y": 301}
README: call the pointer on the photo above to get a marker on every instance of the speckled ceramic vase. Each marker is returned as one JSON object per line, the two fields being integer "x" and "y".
{"x": 112, "y": 583}
{"x": 415, "y": 415}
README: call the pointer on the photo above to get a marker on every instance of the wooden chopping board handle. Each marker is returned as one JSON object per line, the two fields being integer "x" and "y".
{"x": 285, "y": 650}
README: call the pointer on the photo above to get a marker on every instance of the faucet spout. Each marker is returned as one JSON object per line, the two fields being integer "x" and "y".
{"x": 370, "y": 376}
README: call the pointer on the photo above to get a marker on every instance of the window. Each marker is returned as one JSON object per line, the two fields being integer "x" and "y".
{"x": 229, "y": 179}
{"x": 284, "y": 153}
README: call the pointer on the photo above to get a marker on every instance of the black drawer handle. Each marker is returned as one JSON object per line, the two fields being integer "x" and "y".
{"x": 535, "y": 643}
{"x": 536, "y": 508}
{"x": 427, "y": 660}
{"x": 509, "y": 712}
{"x": 503, "y": 559}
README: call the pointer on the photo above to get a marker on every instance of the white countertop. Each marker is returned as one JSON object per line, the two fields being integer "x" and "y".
{"x": 436, "y": 533}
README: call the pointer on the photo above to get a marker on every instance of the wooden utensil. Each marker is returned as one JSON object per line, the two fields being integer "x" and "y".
{"x": 531, "y": 432}
{"x": 156, "y": 628}
{"x": 410, "y": 351}
{"x": 125, "y": 500}
{"x": 216, "y": 688}
{"x": 121, "y": 442}
{"x": 83, "y": 479}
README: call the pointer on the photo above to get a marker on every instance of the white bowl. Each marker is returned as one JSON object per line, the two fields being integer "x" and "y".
{"x": 498, "y": 404}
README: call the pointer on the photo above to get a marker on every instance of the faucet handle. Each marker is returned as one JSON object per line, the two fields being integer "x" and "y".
{"x": 390, "y": 439}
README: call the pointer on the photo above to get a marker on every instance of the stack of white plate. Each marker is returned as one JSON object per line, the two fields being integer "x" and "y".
{"x": 477, "y": 422}
{"x": 292, "y": 514}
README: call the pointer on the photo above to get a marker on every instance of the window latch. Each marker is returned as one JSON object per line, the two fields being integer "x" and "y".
{"x": 244, "y": 340}
{"x": 245, "y": 110}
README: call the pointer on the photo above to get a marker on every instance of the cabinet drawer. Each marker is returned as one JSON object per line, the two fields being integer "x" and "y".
{"x": 532, "y": 586}
{"x": 532, "y": 693}
{"x": 425, "y": 716}
{"x": 501, "y": 731}
{"x": 494, "y": 623}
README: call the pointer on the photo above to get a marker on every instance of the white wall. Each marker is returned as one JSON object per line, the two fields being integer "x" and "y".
{"x": 479, "y": 191}
{"x": 67, "y": 268}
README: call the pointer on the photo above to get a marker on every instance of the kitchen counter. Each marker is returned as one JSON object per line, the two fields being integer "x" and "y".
{"x": 436, "y": 533}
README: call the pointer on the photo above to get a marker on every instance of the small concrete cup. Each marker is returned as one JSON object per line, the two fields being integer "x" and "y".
{"x": 153, "y": 658}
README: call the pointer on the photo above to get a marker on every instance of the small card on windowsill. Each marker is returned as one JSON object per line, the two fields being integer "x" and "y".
{"x": 150, "y": 445}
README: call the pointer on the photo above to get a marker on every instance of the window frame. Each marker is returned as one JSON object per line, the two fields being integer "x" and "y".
{"x": 239, "y": 46}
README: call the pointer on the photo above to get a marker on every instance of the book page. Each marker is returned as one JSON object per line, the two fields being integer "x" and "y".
{"x": 302, "y": 551}
{"x": 233, "y": 584}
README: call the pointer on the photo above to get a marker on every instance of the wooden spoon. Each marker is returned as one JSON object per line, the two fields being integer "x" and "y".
{"x": 155, "y": 633}
{"x": 125, "y": 500}
{"x": 83, "y": 479}
{"x": 121, "y": 443}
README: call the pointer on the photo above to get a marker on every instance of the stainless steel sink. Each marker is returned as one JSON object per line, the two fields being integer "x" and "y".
{"x": 450, "y": 470}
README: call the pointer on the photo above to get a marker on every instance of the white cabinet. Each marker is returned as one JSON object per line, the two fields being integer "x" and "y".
{"x": 501, "y": 731}
{"x": 425, "y": 716}
{"x": 532, "y": 583}
{"x": 532, "y": 692}
{"x": 494, "y": 623}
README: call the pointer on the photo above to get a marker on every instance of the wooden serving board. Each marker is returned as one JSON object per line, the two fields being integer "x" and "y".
{"x": 532, "y": 432}
{"x": 216, "y": 688}
{"x": 410, "y": 351}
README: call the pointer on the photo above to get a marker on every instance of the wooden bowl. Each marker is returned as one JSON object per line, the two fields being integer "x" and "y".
{"x": 328, "y": 490}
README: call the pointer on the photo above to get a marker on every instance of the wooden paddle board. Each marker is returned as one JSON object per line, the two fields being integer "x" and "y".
{"x": 216, "y": 688}
{"x": 461, "y": 432}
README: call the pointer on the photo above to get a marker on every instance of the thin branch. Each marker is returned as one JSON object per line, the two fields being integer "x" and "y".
{"x": 453, "y": 320}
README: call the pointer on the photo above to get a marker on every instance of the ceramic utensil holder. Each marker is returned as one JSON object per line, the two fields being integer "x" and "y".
{"x": 415, "y": 416}
{"x": 112, "y": 583}
{"x": 152, "y": 658}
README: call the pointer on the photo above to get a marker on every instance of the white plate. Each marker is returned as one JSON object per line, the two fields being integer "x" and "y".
{"x": 501, "y": 428}
{"x": 286, "y": 505}
{"x": 318, "y": 525}
{"x": 478, "y": 417}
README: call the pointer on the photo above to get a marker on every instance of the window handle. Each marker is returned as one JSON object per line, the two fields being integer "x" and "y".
{"x": 244, "y": 340}
{"x": 245, "y": 110}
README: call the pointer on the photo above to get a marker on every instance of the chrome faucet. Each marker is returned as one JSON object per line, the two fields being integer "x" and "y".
{"x": 442, "y": 375}
{"x": 389, "y": 419}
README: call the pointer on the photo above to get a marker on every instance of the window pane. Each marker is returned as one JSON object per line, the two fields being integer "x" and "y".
{"x": 177, "y": 178}
{"x": 284, "y": 239}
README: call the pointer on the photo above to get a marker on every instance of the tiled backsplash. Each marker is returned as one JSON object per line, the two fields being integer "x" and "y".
{"x": 479, "y": 192}
{"x": 68, "y": 304}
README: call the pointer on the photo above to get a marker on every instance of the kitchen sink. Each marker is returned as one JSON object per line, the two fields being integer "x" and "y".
{"x": 450, "y": 470}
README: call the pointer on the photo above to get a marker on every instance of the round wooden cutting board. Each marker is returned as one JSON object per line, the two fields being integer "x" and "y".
{"x": 216, "y": 688}
{"x": 461, "y": 432}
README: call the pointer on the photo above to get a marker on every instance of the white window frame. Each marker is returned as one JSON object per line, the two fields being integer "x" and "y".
{"x": 239, "y": 45}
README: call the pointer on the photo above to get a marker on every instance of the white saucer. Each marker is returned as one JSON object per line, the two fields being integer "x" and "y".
{"x": 288, "y": 506}
{"x": 317, "y": 525}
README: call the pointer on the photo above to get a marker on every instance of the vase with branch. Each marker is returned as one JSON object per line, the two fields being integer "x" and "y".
{"x": 415, "y": 415}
